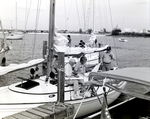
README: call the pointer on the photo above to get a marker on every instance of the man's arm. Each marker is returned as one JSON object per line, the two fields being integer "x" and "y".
{"x": 112, "y": 56}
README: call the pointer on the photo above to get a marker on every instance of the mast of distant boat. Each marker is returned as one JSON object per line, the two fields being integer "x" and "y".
{"x": 2, "y": 43}
{"x": 16, "y": 18}
{"x": 93, "y": 16}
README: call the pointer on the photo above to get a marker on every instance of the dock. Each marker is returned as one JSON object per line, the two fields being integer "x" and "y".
{"x": 46, "y": 111}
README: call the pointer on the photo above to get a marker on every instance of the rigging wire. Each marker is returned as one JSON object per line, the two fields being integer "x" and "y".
{"x": 27, "y": 15}
{"x": 4, "y": 38}
{"x": 86, "y": 17}
{"x": 100, "y": 13}
{"x": 94, "y": 16}
{"x": 27, "y": 12}
{"x": 83, "y": 6}
{"x": 110, "y": 14}
{"x": 88, "y": 14}
{"x": 112, "y": 28}
{"x": 84, "y": 10}
{"x": 69, "y": 11}
{"x": 36, "y": 25}
{"x": 78, "y": 13}
{"x": 105, "y": 14}
{"x": 65, "y": 14}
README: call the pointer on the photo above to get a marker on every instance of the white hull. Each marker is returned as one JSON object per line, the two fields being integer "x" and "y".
{"x": 92, "y": 59}
{"x": 122, "y": 40}
{"x": 92, "y": 54}
{"x": 15, "y": 37}
{"x": 78, "y": 50}
{"x": 15, "y": 99}
{"x": 15, "y": 67}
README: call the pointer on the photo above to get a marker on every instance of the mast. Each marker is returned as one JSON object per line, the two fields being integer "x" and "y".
{"x": 51, "y": 35}
{"x": 2, "y": 42}
{"x": 60, "y": 89}
{"x": 16, "y": 16}
{"x": 93, "y": 16}
{"x": 84, "y": 7}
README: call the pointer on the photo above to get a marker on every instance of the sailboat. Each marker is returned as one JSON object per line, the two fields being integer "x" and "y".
{"x": 15, "y": 35}
{"x": 7, "y": 68}
{"x": 34, "y": 92}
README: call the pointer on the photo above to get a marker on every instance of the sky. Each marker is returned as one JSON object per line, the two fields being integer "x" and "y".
{"x": 75, "y": 14}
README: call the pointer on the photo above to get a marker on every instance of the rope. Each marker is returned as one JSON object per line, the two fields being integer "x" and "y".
{"x": 80, "y": 105}
{"x": 97, "y": 96}
{"x": 67, "y": 109}
{"x": 53, "y": 107}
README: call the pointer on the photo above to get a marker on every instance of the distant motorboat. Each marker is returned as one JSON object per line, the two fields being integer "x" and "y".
{"x": 122, "y": 40}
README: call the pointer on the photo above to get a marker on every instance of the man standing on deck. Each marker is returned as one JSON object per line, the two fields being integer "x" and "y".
{"x": 69, "y": 40}
{"x": 92, "y": 40}
{"x": 106, "y": 59}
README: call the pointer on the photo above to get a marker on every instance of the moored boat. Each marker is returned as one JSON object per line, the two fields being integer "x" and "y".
{"x": 122, "y": 40}
{"x": 28, "y": 94}
{"x": 15, "y": 36}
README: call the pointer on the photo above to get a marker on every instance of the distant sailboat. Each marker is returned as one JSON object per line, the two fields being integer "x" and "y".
{"x": 15, "y": 35}
{"x": 4, "y": 69}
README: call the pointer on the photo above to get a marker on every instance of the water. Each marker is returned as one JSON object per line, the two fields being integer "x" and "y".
{"x": 22, "y": 51}
{"x": 134, "y": 109}
{"x": 134, "y": 53}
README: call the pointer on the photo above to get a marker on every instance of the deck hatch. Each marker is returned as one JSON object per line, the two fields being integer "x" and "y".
{"x": 28, "y": 84}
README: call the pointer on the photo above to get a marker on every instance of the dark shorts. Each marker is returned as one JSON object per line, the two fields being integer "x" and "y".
{"x": 106, "y": 66}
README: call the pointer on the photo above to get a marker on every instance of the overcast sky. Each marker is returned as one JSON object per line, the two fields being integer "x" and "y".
{"x": 75, "y": 14}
